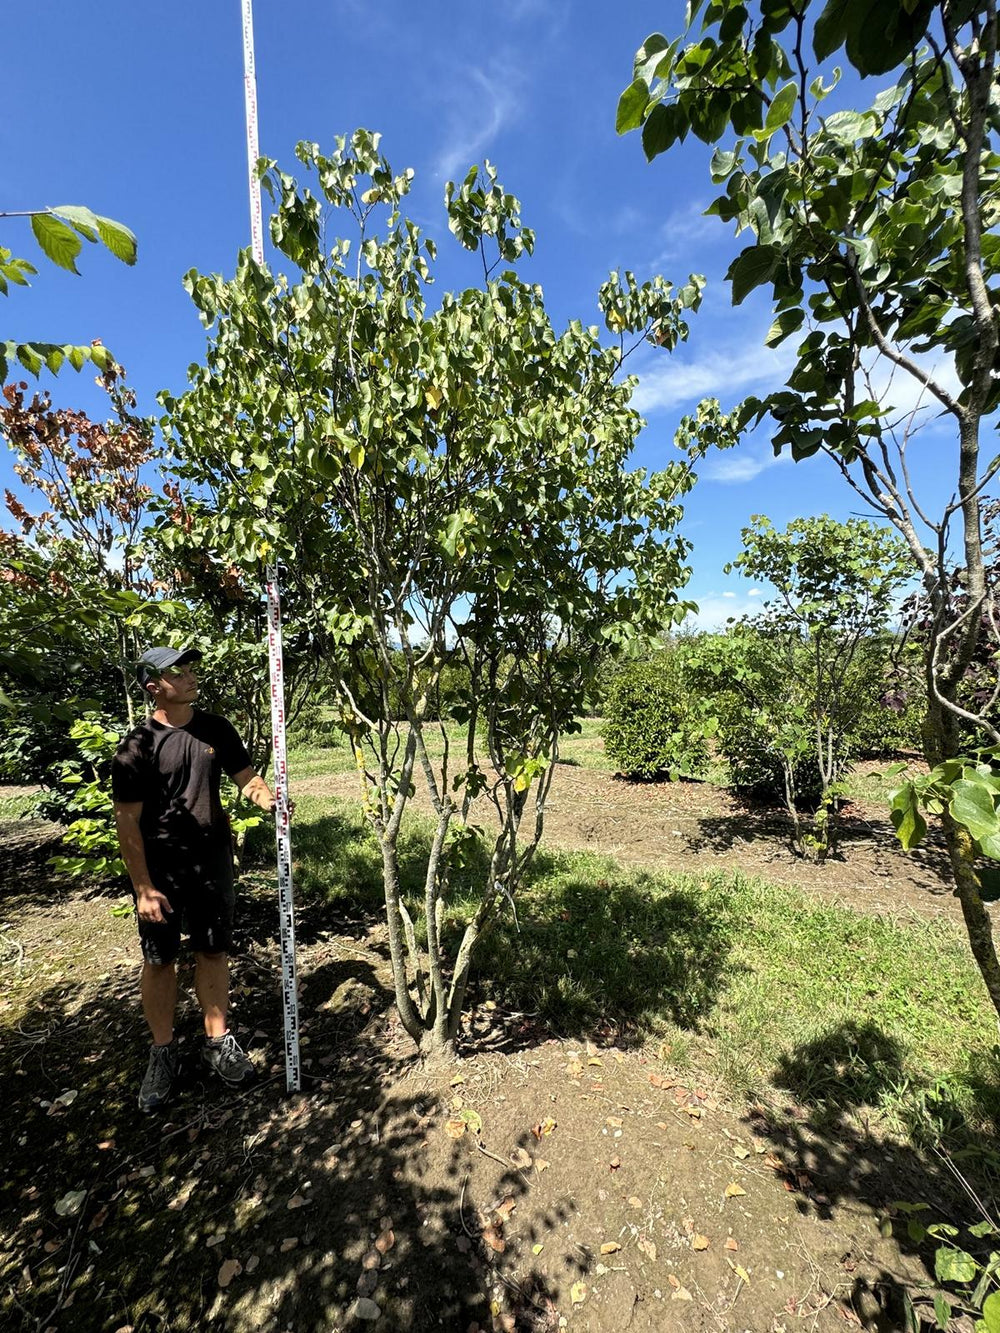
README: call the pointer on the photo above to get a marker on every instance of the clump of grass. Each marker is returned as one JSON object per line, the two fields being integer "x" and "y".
{"x": 17, "y": 805}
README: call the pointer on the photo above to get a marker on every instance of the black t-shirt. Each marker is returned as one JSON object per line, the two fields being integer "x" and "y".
{"x": 175, "y": 772}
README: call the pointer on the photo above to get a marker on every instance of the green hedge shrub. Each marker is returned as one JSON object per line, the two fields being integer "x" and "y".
{"x": 651, "y": 723}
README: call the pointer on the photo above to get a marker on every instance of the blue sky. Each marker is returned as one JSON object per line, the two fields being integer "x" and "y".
{"x": 137, "y": 111}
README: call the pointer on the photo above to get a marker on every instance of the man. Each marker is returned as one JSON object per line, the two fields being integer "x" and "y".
{"x": 176, "y": 845}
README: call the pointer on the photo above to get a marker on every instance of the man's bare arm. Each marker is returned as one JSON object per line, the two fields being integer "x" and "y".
{"x": 151, "y": 905}
{"x": 255, "y": 789}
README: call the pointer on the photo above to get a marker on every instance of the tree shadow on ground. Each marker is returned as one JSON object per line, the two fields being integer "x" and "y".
{"x": 613, "y": 960}
{"x": 306, "y": 1204}
{"x": 830, "y": 1156}
{"x": 756, "y": 823}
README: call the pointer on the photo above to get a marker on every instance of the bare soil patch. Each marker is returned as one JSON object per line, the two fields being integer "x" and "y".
{"x": 604, "y": 1189}
{"x": 695, "y": 826}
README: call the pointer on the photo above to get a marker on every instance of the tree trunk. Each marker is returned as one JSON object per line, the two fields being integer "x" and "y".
{"x": 977, "y": 917}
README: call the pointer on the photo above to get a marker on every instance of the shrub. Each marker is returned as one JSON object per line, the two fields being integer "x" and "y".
{"x": 651, "y": 723}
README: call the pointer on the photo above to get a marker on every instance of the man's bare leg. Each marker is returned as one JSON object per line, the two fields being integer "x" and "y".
{"x": 211, "y": 984}
{"x": 159, "y": 1000}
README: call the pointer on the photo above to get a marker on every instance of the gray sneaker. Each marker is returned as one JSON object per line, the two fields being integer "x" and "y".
{"x": 161, "y": 1073}
{"x": 225, "y": 1057}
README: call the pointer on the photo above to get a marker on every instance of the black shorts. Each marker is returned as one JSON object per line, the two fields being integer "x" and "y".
{"x": 202, "y": 895}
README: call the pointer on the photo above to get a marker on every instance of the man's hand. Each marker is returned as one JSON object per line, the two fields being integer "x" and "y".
{"x": 255, "y": 789}
{"x": 152, "y": 905}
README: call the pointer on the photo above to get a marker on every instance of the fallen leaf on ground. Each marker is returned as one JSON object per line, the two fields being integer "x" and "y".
{"x": 615, "y": 1162}
{"x": 660, "y": 1081}
{"x": 459, "y": 1078}
{"x": 596, "y": 1060}
{"x": 740, "y": 1152}
{"x": 520, "y": 1158}
{"x": 610, "y": 1247}
{"x": 99, "y": 1218}
{"x": 217, "y": 1239}
{"x": 296, "y": 1201}
{"x": 739, "y": 1270}
{"x": 454, "y": 1128}
{"x": 732, "y": 1190}
{"x": 70, "y": 1204}
{"x": 252, "y": 1263}
{"x": 504, "y": 1210}
{"x": 615, "y": 1121}
{"x": 634, "y": 1201}
{"x": 541, "y": 1165}
{"x": 370, "y": 1260}
{"x": 578, "y": 1293}
{"x": 647, "y": 1247}
{"x": 574, "y": 1069}
{"x": 537, "y": 1249}
{"x": 694, "y": 1112}
{"x": 732, "y": 1243}
{"x": 546, "y": 1127}
{"x": 230, "y": 1269}
{"x": 494, "y": 1240}
{"x": 471, "y": 1118}
{"x": 700, "y": 1242}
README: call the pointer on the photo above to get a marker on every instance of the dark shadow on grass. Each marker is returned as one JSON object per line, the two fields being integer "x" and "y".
{"x": 297, "y": 1189}
{"x": 825, "y": 1148}
{"x": 612, "y": 959}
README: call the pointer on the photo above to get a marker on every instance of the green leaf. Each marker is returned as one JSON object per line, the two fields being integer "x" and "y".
{"x": 28, "y": 356}
{"x": 780, "y": 110}
{"x": 665, "y": 124}
{"x": 787, "y": 323}
{"x": 631, "y": 106}
{"x": 830, "y": 32}
{"x": 942, "y": 1310}
{"x": 991, "y": 1312}
{"x": 972, "y": 807}
{"x": 58, "y": 242}
{"x": 751, "y": 267}
{"x": 951, "y": 1265}
{"x": 119, "y": 239}
{"x": 907, "y": 820}
{"x": 79, "y": 218}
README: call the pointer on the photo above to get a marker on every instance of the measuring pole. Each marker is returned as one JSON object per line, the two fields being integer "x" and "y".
{"x": 286, "y": 902}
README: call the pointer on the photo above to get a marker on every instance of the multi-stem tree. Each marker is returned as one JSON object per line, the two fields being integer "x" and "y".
{"x": 438, "y": 485}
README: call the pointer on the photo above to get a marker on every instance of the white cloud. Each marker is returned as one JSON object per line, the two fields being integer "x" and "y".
{"x": 476, "y": 117}
{"x": 755, "y": 592}
{"x": 686, "y": 231}
{"x": 903, "y": 395}
{"x": 714, "y": 609}
{"x": 726, "y": 374}
{"x": 743, "y": 463}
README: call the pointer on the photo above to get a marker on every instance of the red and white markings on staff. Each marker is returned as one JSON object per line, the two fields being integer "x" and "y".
{"x": 283, "y": 836}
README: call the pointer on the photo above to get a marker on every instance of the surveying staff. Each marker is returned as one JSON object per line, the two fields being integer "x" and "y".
{"x": 176, "y": 844}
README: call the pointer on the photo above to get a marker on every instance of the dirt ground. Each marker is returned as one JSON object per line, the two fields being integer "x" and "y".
{"x": 695, "y": 826}
{"x": 535, "y": 1185}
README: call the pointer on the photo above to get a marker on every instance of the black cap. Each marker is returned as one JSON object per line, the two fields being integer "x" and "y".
{"x": 155, "y": 661}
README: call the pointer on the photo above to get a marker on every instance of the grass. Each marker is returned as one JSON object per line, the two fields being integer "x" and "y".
{"x": 765, "y": 984}
{"x": 16, "y": 804}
